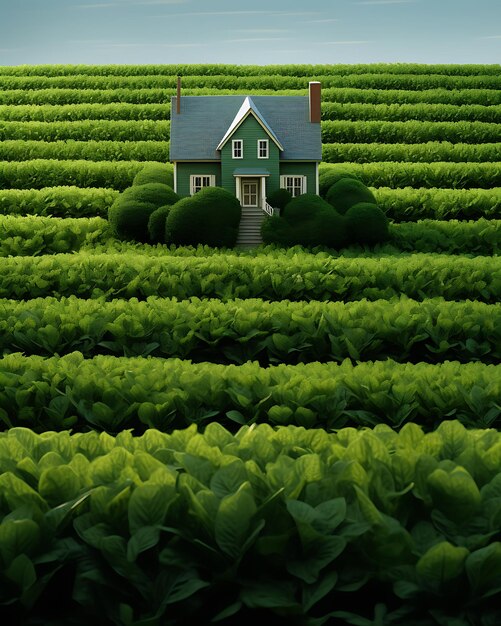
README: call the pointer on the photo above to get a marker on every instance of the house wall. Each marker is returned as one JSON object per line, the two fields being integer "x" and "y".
{"x": 185, "y": 169}
{"x": 300, "y": 168}
{"x": 250, "y": 131}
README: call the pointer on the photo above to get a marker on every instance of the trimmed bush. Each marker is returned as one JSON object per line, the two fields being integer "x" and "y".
{"x": 279, "y": 198}
{"x": 156, "y": 224}
{"x": 366, "y": 223}
{"x": 129, "y": 219}
{"x": 328, "y": 178}
{"x": 155, "y": 173}
{"x": 276, "y": 230}
{"x": 304, "y": 208}
{"x": 347, "y": 192}
{"x": 210, "y": 217}
{"x": 155, "y": 193}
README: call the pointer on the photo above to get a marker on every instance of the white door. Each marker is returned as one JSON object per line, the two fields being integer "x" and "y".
{"x": 250, "y": 192}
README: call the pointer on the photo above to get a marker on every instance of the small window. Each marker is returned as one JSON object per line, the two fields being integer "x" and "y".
{"x": 198, "y": 182}
{"x": 262, "y": 149}
{"x": 296, "y": 185}
{"x": 238, "y": 148}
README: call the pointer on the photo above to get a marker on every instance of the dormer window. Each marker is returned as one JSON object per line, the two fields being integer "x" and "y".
{"x": 263, "y": 149}
{"x": 238, "y": 148}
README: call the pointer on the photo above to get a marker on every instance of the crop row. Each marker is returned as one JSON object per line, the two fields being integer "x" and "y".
{"x": 61, "y": 96}
{"x": 96, "y": 111}
{"x": 116, "y": 393}
{"x": 407, "y": 132}
{"x": 330, "y": 111}
{"x": 332, "y": 131}
{"x": 380, "y": 80}
{"x": 35, "y": 235}
{"x": 428, "y": 152}
{"x": 67, "y": 201}
{"x": 289, "y": 69}
{"x": 69, "y": 149}
{"x": 243, "y": 330}
{"x": 97, "y": 130}
{"x": 395, "y": 174}
{"x": 300, "y": 277}
{"x": 41, "y": 173}
{"x": 400, "y": 204}
{"x": 306, "y": 523}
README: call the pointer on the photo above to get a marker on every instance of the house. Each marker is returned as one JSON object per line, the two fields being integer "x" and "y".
{"x": 250, "y": 145}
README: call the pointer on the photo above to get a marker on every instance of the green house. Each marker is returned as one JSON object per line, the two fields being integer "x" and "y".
{"x": 250, "y": 145}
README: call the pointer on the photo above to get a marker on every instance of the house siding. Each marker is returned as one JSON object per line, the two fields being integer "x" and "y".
{"x": 300, "y": 168}
{"x": 185, "y": 169}
{"x": 250, "y": 131}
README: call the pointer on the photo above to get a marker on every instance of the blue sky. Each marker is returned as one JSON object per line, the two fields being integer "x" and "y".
{"x": 257, "y": 32}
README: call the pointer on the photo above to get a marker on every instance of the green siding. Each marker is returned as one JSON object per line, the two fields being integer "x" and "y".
{"x": 250, "y": 131}
{"x": 298, "y": 168}
{"x": 185, "y": 170}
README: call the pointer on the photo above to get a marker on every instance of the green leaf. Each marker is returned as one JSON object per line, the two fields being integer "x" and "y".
{"x": 148, "y": 505}
{"x": 59, "y": 484}
{"x": 442, "y": 563}
{"x": 17, "y": 537}
{"x": 271, "y": 594}
{"x": 228, "y": 479}
{"x": 22, "y": 572}
{"x": 233, "y": 520}
{"x": 316, "y": 592}
{"x": 483, "y": 568}
{"x": 230, "y": 610}
{"x": 143, "y": 539}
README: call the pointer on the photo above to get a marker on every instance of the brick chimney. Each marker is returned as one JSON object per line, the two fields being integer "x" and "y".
{"x": 178, "y": 97}
{"x": 315, "y": 112}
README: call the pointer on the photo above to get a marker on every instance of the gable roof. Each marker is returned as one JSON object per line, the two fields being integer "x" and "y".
{"x": 248, "y": 107}
{"x": 204, "y": 120}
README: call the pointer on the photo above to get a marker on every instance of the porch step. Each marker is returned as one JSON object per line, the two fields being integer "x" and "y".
{"x": 249, "y": 232}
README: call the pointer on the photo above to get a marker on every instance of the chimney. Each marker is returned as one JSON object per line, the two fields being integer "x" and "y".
{"x": 178, "y": 97}
{"x": 315, "y": 112}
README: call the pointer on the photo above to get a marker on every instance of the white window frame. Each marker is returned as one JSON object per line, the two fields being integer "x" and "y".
{"x": 296, "y": 184}
{"x": 266, "y": 143}
{"x": 237, "y": 145}
{"x": 196, "y": 185}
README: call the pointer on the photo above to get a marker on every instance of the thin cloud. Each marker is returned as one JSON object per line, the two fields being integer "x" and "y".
{"x": 255, "y": 39}
{"x": 107, "y": 5}
{"x": 261, "y": 31}
{"x": 217, "y": 13}
{"x": 386, "y": 2}
{"x": 150, "y": 45}
{"x": 323, "y": 21}
{"x": 351, "y": 42}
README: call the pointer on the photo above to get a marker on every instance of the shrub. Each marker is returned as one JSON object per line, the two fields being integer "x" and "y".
{"x": 347, "y": 192}
{"x": 155, "y": 193}
{"x": 129, "y": 218}
{"x": 279, "y": 198}
{"x": 304, "y": 208}
{"x": 276, "y": 230}
{"x": 366, "y": 223}
{"x": 156, "y": 224}
{"x": 328, "y": 178}
{"x": 209, "y": 217}
{"x": 155, "y": 173}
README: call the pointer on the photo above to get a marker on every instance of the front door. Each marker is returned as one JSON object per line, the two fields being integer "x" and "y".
{"x": 250, "y": 192}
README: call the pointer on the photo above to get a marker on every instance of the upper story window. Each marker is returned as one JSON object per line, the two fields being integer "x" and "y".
{"x": 237, "y": 148}
{"x": 296, "y": 185}
{"x": 263, "y": 149}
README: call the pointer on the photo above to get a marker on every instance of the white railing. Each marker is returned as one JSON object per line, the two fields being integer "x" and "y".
{"x": 267, "y": 208}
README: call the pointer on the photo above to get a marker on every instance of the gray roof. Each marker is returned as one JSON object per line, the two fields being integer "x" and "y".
{"x": 204, "y": 121}
{"x": 247, "y": 107}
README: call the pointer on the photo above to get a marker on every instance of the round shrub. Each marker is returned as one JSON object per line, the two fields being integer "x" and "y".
{"x": 279, "y": 198}
{"x": 366, "y": 223}
{"x": 329, "y": 177}
{"x": 329, "y": 229}
{"x": 210, "y": 217}
{"x": 347, "y": 192}
{"x": 303, "y": 208}
{"x": 275, "y": 229}
{"x": 154, "y": 193}
{"x": 155, "y": 173}
{"x": 129, "y": 219}
{"x": 156, "y": 224}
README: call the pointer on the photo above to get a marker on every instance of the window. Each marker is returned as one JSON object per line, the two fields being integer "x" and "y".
{"x": 262, "y": 149}
{"x": 296, "y": 185}
{"x": 238, "y": 148}
{"x": 197, "y": 182}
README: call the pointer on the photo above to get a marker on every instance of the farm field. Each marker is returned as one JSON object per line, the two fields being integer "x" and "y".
{"x": 302, "y": 436}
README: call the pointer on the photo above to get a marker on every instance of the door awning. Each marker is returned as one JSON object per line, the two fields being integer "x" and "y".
{"x": 251, "y": 171}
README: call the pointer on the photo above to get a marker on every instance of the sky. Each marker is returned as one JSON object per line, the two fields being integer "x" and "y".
{"x": 260, "y": 32}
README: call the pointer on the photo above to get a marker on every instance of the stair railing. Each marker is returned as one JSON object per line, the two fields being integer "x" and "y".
{"x": 267, "y": 208}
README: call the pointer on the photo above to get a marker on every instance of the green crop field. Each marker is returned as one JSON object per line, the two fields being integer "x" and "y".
{"x": 302, "y": 436}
